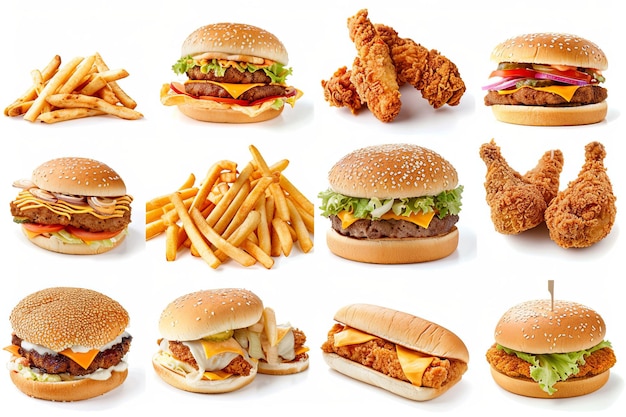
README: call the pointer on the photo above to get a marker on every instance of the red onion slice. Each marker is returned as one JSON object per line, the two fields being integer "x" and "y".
{"x": 43, "y": 195}
{"x": 24, "y": 184}
{"x": 103, "y": 205}
{"x": 72, "y": 199}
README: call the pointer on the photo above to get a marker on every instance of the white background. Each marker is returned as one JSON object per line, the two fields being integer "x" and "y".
{"x": 466, "y": 292}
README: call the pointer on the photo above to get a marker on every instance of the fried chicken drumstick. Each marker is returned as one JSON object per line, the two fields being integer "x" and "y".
{"x": 517, "y": 202}
{"x": 584, "y": 212}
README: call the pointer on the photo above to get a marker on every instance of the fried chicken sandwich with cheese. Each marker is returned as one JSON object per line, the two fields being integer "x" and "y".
{"x": 216, "y": 341}
{"x": 396, "y": 351}
{"x": 68, "y": 344}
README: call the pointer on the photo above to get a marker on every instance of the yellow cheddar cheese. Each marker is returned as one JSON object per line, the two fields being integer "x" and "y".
{"x": 413, "y": 364}
{"x": 84, "y": 359}
{"x": 235, "y": 90}
{"x": 350, "y": 336}
{"x": 565, "y": 91}
{"x": 421, "y": 219}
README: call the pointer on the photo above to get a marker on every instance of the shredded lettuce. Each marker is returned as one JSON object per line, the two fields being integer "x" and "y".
{"x": 277, "y": 72}
{"x": 548, "y": 369}
{"x": 445, "y": 203}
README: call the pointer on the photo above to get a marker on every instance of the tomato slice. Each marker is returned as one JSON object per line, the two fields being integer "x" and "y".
{"x": 91, "y": 236}
{"x": 42, "y": 228}
{"x": 514, "y": 72}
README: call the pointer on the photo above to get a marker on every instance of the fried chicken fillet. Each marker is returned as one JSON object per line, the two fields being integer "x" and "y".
{"x": 517, "y": 202}
{"x": 373, "y": 73}
{"x": 340, "y": 92}
{"x": 512, "y": 366}
{"x": 434, "y": 75}
{"x": 381, "y": 356}
{"x": 584, "y": 212}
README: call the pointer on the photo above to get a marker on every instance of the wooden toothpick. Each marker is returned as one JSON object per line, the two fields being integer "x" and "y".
{"x": 551, "y": 290}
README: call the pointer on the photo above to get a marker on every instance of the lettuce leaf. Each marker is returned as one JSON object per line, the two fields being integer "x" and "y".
{"x": 548, "y": 369}
{"x": 447, "y": 202}
{"x": 277, "y": 72}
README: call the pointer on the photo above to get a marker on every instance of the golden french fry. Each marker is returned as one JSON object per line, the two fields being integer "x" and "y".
{"x": 302, "y": 234}
{"x": 284, "y": 235}
{"x": 307, "y": 218}
{"x": 259, "y": 254}
{"x": 249, "y": 225}
{"x": 227, "y": 199}
{"x": 211, "y": 178}
{"x": 31, "y": 94}
{"x": 18, "y": 109}
{"x": 230, "y": 212}
{"x": 248, "y": 204}
{"x": 63, "y": 115}
{"x": 158, "y": 202}
{"x": 171, "y": 242}
{"x": 155, "y": 228}
{"x": 78, "y": 76}
{"x": 263, "y": 230}
{"x": 124, "y": 98}
{"x": 189, "y": 182}
{"x": 95, "y": 84}
{"x": 91, "y": 102}
{"x": 57, "y": 80}
{"x": 233, "y": 252}
{"x": 296, "y": 195}
{"x": 194, "y": 235}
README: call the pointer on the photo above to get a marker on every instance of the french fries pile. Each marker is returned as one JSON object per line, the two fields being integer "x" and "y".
{"x": 82, "y": 87}
{"x": 249, "y": 216}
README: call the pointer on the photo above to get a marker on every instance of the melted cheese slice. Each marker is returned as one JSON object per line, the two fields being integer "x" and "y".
{"x": 215, "y": 375}
{"x": 350, "y": 336}
{"x": 421, "y": 219}
{"x": 565, "y": 91}
{"x": 413, "y": 364}
{"x": 215, "y": 348}
{"x": 84, "y": 359}
{"x": 235, "y": 90}
{"x": 14, "y": 350}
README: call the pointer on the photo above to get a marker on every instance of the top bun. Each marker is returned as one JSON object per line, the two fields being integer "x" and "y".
{"x": 204, "y": 313}
{"x": 551, "y": 49}
{"x": 61, "y": 317}
{"x": 235, "y": 39}
{"x": 392, "y": 171}
{"x": 404, "y": 329}
{"x": 79, "y": 176}
{"x": 537, "y": 327}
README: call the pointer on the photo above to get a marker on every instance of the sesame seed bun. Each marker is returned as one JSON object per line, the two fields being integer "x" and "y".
{"x": 204, "y": 313}
{"x": 61, "y": 317}
{"x": 197, "y": 109}
{"x": 235, "y": 39}
{"x": 79, "y": 176}
{"x": 550, "y": 116}
{"x": 392, "y": 171}
{"x": 551, "y": 48}
{"x": 76, "y": 390}
{"x": 284, "y": 368}
{"x": 536, "y": 327}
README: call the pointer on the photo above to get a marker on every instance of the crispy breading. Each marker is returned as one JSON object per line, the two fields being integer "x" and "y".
{"x": 510, "y": 365}
{"x": 340, "y": 92}
{"x": 584, "y": 212}
{"x": 373, "y": 73}
{"x": 517, "y": 202}
{"x": 434, "y": 75}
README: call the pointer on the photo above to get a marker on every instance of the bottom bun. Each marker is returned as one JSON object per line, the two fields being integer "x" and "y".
{"x": 393, "y": 251}
{"x": 203, "y": 386}
{"x": 284, "y": 368}
{"x": 368, "y": 375}
{"x": 226, "y": 115}
{"x": 55, "y": 245}
{"x": 550, "y": 116}
{"x": 80, "y": 389}
{"x": 574, "y": 387}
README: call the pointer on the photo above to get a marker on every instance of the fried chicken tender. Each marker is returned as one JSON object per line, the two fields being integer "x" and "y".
{"x": 381, "y": 356}
{"x": 509, "y": 364}
{"x": 373, "y": 73}
{"x": 517, "y": 202}
{"x": 584, "y": 212}
{"x": 340, "y": 92}
{"x": 434, "y": 75}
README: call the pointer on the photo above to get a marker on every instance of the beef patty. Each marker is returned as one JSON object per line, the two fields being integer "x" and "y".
{"x": 589, "y": 94}
{"x": 394, "y": 229}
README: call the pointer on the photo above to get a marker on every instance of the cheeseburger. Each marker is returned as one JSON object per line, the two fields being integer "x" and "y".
{"x": 73, "y": 206}
{"x": 236, "y": 73}
{"x": 68, "y": 344}
{"x": 395, "y": 351}
{"x": 392, "y": 204}
{"x": 548, "y": 79}
{"x": 216, "y": 341}
{"x": 547, "y": 350}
